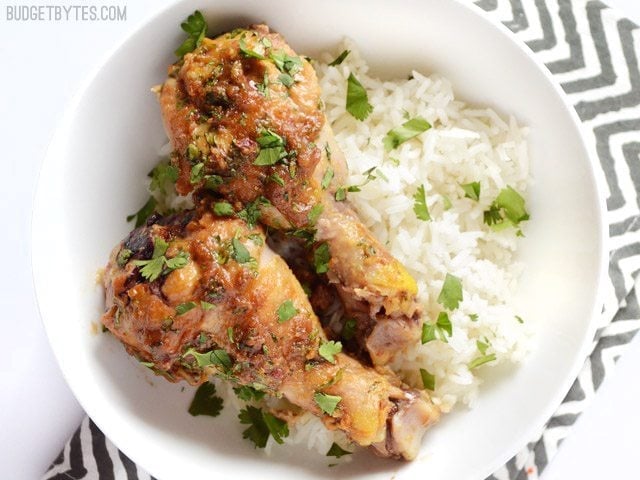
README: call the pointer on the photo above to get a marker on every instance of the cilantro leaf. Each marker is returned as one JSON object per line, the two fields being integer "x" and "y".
{"x": 286, "y": 63}
{"x": 326, "y": 178}
{"x": 151, "y": 269}
{"x": 337, "y": 451}
{"x": 162, "y": 175}
{"x": 327, "y": 403}
{"x": 251, "y": 212}
{"x": 340, "y": 58}
{"x": 315, "y": 213}
{"x": 206, "y": 305}
{"x": 506, "y": 210}
{"x": 248, "y": 393}
{"x": 357, "y": 99}
{"x": 271, "y": 148}
{"x": 262, "y": 424}
{"x": 451, "y": 294}
{"x": 482, "y": 347}
{"x": 428, "y": 380}
{"x": 438, "y": 330}
{"x": 328, "y": 349}
{"x": 321, "y": 258}
{"x": 217, "y": 357}
{"x": 409, "y": 129}
{"x": 196, "y": 27}
{"x": 476, "y": 362}
{"x": 239, "y": 252}
{"x": 247, "y": 52}
{"x": 123, "y": 257}
{"x": 223, "y": 209}
{"x": 286, "y": 311}
{"x": 286, "y": 79}
{"x": 145, "y": 212}
{"x": 446, "y": 202}
{"x": 341, "y": 194}
{"x": 472, "y": 190}
{"x": 205, "y": 401}
{"x": 179, "y": 261}
{"x": 420, "y": 205}
{"x": 185, "y": 307}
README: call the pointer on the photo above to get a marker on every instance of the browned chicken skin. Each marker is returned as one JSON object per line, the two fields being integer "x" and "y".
{"x": 194, "y": 286}
{"x": 245, "y": 118}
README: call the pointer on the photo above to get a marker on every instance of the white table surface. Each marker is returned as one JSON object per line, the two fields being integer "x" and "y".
{"x": 43, "y": 63}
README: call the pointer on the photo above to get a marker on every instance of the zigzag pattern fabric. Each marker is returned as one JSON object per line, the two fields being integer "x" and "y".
{"x": 593, "y": 54}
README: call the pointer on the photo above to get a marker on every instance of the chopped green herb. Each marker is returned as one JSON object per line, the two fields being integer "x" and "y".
{"x": 420, "y": 205}
{"x": 286, "y": 79}
{"x": 451, "y": 294}
{"x": 394, "y": 161}
{"x": 326, "y": 178}
{"x": 446, "y": 201}
{"x": 240, "y": 253}
{"x": 438, "y": 330}
{"x": 145, "y": 212}
{"x": 409, "y": 129}
{"x": 336, "y": 450}
{"x": 212, "y": 182}
{"x": 341, "y": 194}
{"x": 326, "y": 402}
{"x": 206, "y": 305}
{"x": 185, "y": 307}
{"x": 519, "y": 319}
{"x": 214, "y": 357}
{"x": 286, "y": 311}
{"x": 197, "y": 173}
{"x": 349, "y": 329}
{"x": 482, "y": 346}
{"x": 271, "y": 148}
{"x": 205, "y": 401}
{"x": 202, "y": 338}
{"x": 357, "y": 99}
{"x": 179, "y": 261}
{"x": 277, "y": 179}
{"x": 256, "y": 238}
{"x": 162, "y": 175}
{"x": 476, "y": 362}
{"x": 251, "y": 212}
{"x": 321, "y": 258}
{"x": 247, "y": 52}
{"x": 123, "y": 257}
{"x": 473, "y": 317}
{"x": 153, "y": 268}
{"x": 506, "y": 210}
{"x": 428, "y": 380}
{"x": 263, "y": 87}
{"x": 328, "y": 349}
{"x": 286, "y": 63}
{"x": 262, "y": 424}
{"x": 340, "y": 58}
{"x": 472, "y": 190}
{"x": 223, "y": 209}
{"x": 147, "y": 364}
{"x": 196, "y": 27}
{"x": 247, "y": 393}
{"x": 314, "y": 213}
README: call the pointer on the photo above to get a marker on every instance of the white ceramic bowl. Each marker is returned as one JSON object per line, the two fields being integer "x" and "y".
{"x": 109, "y": 139}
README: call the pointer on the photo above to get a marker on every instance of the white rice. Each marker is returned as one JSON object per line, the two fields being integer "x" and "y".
{"x": 466, "y": 144}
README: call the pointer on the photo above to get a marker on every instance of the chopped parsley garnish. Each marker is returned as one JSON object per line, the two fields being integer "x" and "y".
{"x": 197, "y": 173}
{"x": 340, "y": 58}
{"x": 275, "y": 178}
{"x": 428, "y": 380}
{"x": 162, "y": 175}
{"x": 451, "y": 294}
{"x": 286, "y": 79}
{"x": 473, "y": 317}
{"x": 472, "y": 190}
{"x": 321, "y": 258}
{"x": 446, "y": 202}
{"x": 185, "y": 307}
{"x": 271, "y": 148}
{"x": 315, "y": 213}
{"x": 239, "y": 252}
{"x": 328, "y": 349}
{"x": 123, "y": 257}
{"x": 212, "y": 182}
{"x": 341, "y": 194}
{"x": 506, "y": 210}
{"x": 326, "y": 178}
{"x": 357, "y": 99}
{"x": 482, "y": 346}
{"x": 153, "y": 268}
{"x": 327, "y": 403}
{"x": 420, "y": 205}
{"x": 251, "y": 212}
{"x": 206, "y": 305}
{"x": 476, "y": 362}
{"x": 145, "y": 212}
{"x": 262, "y": 424}
{"x": 247, "y": 393}
{"x": 349, "y": 329}
{"x": 519, "y": 319}
{"x": 196, "y": 28}
{"x": 409, "y": 129}
{"x": 337, "y": 451}
{"x": 263, "y": 87}
{"x": 438, "y": 330}
{"x": 223, "y": 209}
{"x": 213, "y": 357}
{"x": 247, "y": 52}
{"x": 286, "y": 311}
{"x": 286, "y": 63}
{"x": 205, "y": 401}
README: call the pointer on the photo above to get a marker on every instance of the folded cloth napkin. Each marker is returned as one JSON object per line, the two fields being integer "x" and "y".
{"x": 591, "y": 51}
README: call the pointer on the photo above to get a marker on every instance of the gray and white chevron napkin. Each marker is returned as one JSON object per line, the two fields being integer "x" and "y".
{"x": 593, "y": 54}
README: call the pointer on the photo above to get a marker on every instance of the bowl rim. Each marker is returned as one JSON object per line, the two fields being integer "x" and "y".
{"x": 37, "y": 244}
